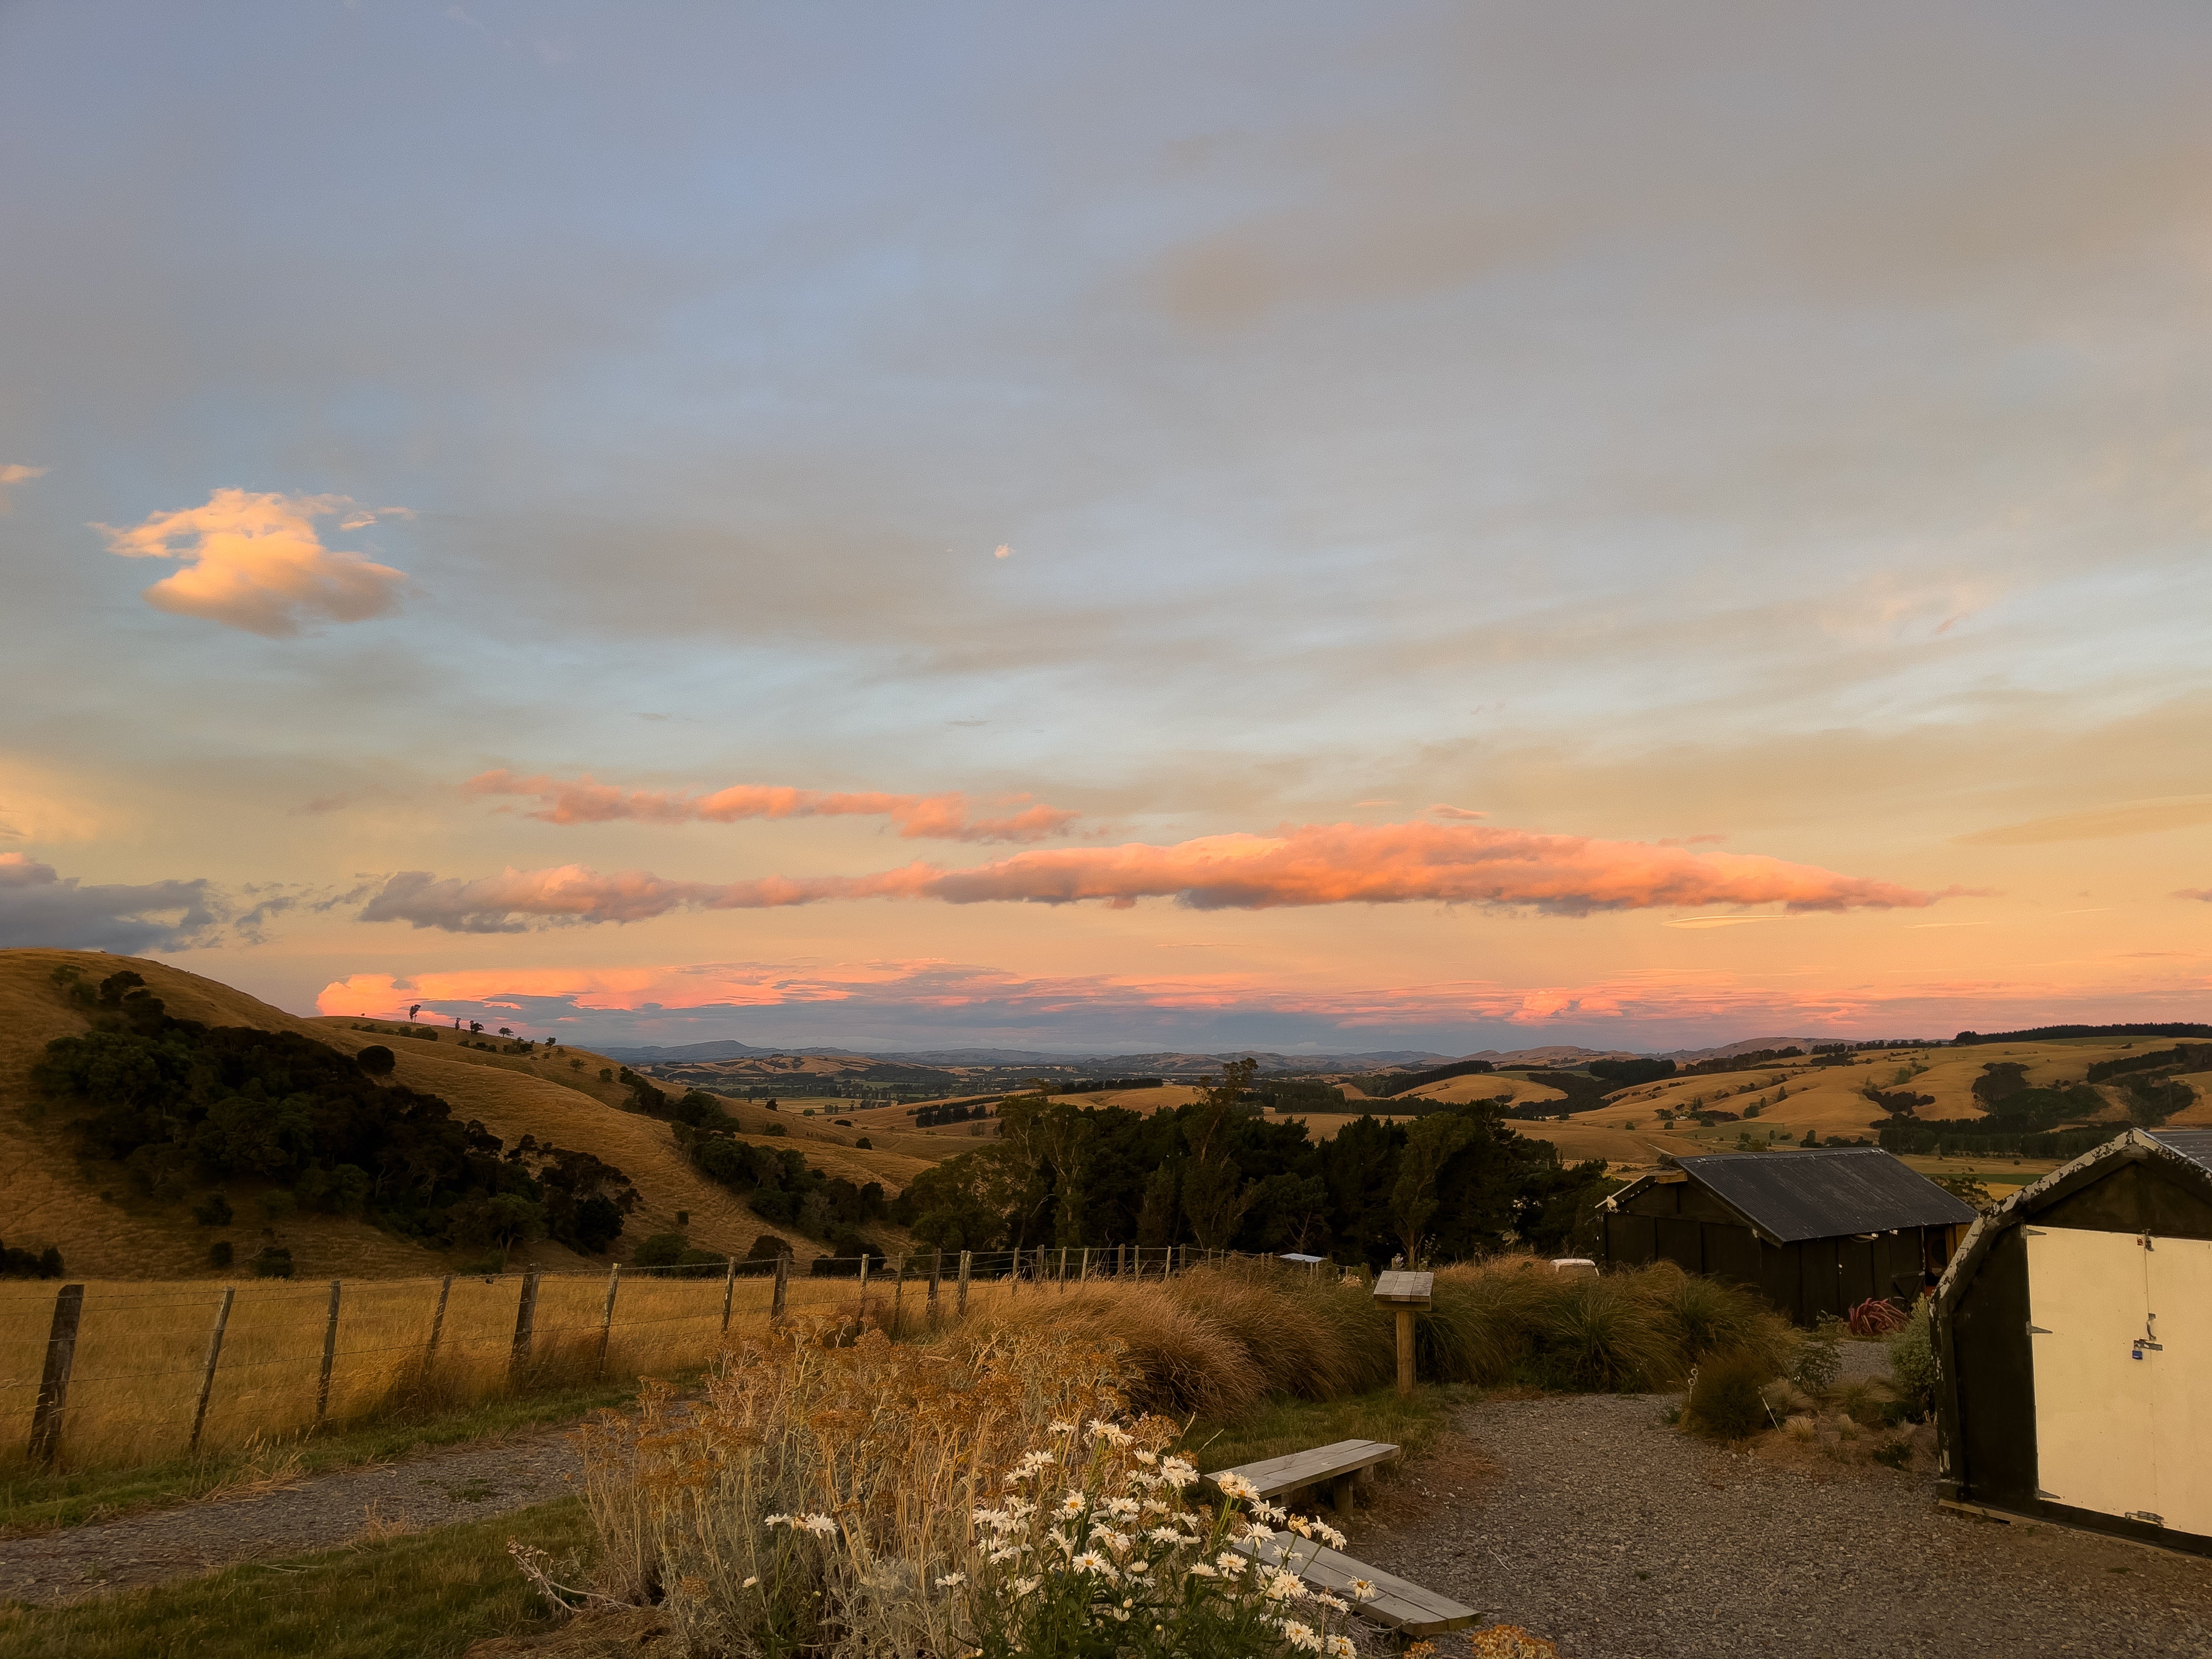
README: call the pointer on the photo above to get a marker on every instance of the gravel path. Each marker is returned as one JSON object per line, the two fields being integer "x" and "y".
{"x": 1621, "y": 1538}
{"x": 413, "y": 1495}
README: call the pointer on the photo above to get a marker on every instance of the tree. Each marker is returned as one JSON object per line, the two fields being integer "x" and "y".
{"x": 1215, "y": 1195}
{"x": 500, "y": 1223}
{"x": 413, "y": 1009}
{"x": 505, "y": 1032}
{"x": 376, "y": 1061}
{"x": 1430, "y": 1145}
{"x": 476, "y": 1028}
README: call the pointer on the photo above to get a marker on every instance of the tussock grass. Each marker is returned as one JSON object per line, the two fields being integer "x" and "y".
{"x": 1219, "y": 1340}
{"x": 1516, "y": 1321}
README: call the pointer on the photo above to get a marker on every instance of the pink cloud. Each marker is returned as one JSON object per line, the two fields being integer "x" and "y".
{"x": 1310, "y": 865}
{"x": 1455, "y": 814}
{"x": 258, "y": 563}
{"x": 931, "y": 993}
{"x": 930, "y": 817}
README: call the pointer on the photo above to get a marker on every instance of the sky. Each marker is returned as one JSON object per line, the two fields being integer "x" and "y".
{"x": 1320, "y": 528}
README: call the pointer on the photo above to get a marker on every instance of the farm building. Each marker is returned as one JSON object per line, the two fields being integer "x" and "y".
{"x": 1817, "y": 1233}
{"x": 2073, "y": 1339}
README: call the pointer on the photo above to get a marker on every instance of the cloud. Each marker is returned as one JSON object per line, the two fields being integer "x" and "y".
{"x": 2142, "y": 818}
{"x": 1002, "y": 551}
{"x": 2203, "y": 895}
{"x": 928, "y": 818}
{"x": 14, "y": 473}
{"x": 1311, "y": 865}
{"x": 931, "y": 1002}
{"x": 321, "y": 804}
{"x": 39, "y": 906}
{"x": 1455, "y": 814}
{"x": 256, "y": 562}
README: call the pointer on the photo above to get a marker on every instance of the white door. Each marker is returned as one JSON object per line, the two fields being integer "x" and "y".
{"x": 2089, "y": 1312}
{"x": 2181, "y": 1412}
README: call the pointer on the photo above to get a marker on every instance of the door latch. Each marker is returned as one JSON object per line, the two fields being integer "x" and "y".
{"x": 2143, "y": 1345}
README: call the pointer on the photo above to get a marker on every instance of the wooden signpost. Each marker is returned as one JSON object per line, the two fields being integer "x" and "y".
{"x": 1407, "y": 1294}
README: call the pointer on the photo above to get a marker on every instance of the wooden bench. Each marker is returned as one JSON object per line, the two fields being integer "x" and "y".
{"x": 1333, "y": 1465}
{"x": 1398, "y": 1604}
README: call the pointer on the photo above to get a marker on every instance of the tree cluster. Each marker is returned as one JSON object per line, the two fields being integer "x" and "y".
{"x": 181, "y": 1105}
{"x": 1455, "y": 1183}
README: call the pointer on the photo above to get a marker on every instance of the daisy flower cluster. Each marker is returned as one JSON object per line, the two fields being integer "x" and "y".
{"x": 1097, "y": 1542}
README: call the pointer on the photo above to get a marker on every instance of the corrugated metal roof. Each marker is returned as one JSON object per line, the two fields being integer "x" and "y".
{"x": 1826, "y": 1193}
{"x": 2194, "y": 1145}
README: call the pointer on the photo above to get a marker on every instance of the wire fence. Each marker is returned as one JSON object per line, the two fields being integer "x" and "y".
{"x": 124, "y": 1372}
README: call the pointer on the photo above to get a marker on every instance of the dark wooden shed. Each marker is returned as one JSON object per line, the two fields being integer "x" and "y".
{"x": 2073, "y": 1340}
{"x": 1817, "y": 1231}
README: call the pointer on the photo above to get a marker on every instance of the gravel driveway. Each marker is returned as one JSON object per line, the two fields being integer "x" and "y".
{"x": 1621, "y": 1538}
{"x": 413, "y": 1495}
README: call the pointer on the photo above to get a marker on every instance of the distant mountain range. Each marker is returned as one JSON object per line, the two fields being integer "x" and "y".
{"x": 1173, "y": 1063}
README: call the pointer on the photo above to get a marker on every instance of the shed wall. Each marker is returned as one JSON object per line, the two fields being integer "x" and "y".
{"x": 1986, "y": 1407}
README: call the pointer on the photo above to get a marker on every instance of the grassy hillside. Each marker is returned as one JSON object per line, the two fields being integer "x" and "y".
{"x": 1798, "y": 1099}
{"x": 104, "y": 1230}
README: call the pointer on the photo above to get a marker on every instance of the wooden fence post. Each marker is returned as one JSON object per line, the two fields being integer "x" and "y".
{"x": 864, "y": 1284}
{"x": 437, "y": 1323}
{"x": 898, "y": 1297}
{"x": 1063, "y": 1269}
{"x": 607, "y": 1317}
{"x": 960, "y": 1306}
{"x": 729, "y": 1292}
{"x": 207, "y": 1378}
{"x": 936, "y": 1272}
{"x": 782, "y": 1286}
{"x": 1014, "y": 1277}
{"x": 525, "y": 1316}
{"x": 1083, "y": 1276}
{"x": 1120, "y": 1259}
{"x": 330, "y": 1353}
{"x": 53, "y": 1381}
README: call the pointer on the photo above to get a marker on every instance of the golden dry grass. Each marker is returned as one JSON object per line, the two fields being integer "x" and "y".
{"x": 142, "y": 1350}
{"x": 1829, "y": 1100}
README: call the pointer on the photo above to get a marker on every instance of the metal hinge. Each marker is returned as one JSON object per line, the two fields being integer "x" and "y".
{"x": 2035, "y": 1232}
{"x": 2049, "y": 1497}
{"x": 2144, "y": 1514}
{"x": 2034, "y": 1329}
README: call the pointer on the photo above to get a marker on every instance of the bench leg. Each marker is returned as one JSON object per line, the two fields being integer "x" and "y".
{"x": 1339, "y": 1494}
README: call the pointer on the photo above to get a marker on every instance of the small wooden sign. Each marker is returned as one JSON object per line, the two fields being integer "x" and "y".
{"x": 1404, "y": 1290}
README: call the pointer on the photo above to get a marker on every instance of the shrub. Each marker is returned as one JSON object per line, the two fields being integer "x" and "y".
{"x": 1912, "y": 1362}
{"x": 661, "y": 1250}
{"x": 865, "y": 1144}
{"x": 375, "y": 1061}
{"x": 1820, "y": 1356}
{"x": 212, "y": 1211}
{"x": 25, "y": 1264}
{"x": 275, "y": 1261}
{"x": 1725, "y": 1398}
{"x": 219, "y": 1254}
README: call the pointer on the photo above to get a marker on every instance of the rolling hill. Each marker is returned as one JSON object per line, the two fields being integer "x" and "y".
{"x": 88, "y": 1209}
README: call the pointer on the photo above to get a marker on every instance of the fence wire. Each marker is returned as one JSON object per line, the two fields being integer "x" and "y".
{"x": 71, "y": 1392}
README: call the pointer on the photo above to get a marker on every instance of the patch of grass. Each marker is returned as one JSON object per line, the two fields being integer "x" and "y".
{"x": 41, "y": 1503}
{"x": 425, "y": 1594}
{"x": 1281, "y": 1425}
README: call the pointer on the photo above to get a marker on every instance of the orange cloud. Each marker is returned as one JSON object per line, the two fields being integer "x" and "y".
{"x": 930, "y": 817}
{"x": 258, "y": 563}
{"x": 1310, "y": 864}
{"x": 14, "y": 473}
